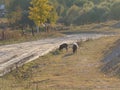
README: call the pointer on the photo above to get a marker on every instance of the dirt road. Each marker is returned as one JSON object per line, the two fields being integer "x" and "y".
{"x": 12, "y": 56}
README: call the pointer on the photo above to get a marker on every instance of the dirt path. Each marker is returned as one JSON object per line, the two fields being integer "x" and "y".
{"x": 14, "y": 55}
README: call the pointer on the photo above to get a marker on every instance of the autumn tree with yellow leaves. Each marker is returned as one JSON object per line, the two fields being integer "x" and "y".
{"x": 40, "y": 11}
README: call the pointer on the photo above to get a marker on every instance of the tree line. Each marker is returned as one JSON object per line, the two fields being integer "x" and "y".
{"x": 68, "y": 12}
{"x": 79, "y": 12}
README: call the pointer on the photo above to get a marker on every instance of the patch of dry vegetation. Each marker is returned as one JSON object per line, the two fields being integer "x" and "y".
{"x": 15, "y": 36}
{"x": 103, "y": 27}
{"x": 64, "y": 70}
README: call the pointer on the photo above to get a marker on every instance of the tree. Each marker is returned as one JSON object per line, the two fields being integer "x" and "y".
{"x": 15, "y": 10}
{"x": 25, "y": 21}
{"x": 60, "y": 10}
{"x": 88, "y": 6}
{"x": 72, "y": 14}
{"x": 39, "y": 11}
{"x": 13, "y": 4}
{"x": 14, "y": 16}
{"x": 80, "y": 3}
{"x": 115, "y": 10}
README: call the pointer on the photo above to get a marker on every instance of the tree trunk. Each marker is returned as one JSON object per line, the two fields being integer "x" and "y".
{"x": 23, "y": 33}
{"x": 37, "y": 28}
{"x": 32, "y": 32}
{"x": 3, "y": 34}
{"x": 48, "y": 28}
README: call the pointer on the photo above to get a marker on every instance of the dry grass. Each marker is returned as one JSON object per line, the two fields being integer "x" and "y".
{"x": 15, "y": 36}
{"x": 95, "y": 27}
{"x": 65, "y": 71}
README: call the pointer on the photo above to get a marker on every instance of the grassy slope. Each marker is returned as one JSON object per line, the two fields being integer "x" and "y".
{"x": 64, "y": 71}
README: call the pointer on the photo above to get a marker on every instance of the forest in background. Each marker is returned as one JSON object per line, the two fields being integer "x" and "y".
{"x": 64, "y": 13}
{"x": 79, "y": 12}
{"x": 75, "y": 12}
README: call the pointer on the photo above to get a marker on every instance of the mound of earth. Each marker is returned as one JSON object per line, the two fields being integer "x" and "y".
{"x": 112, "y": 61}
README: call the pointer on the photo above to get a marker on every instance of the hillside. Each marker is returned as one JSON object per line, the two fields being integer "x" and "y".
{"x": 111, "y": 61}
{"x": 63, "y": 70}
